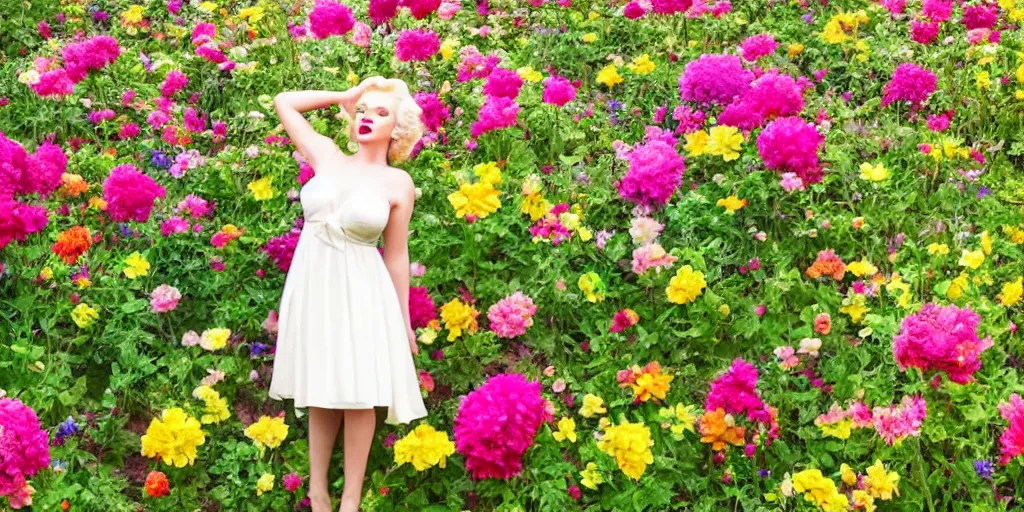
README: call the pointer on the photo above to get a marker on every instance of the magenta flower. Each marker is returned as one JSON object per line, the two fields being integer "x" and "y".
{"x": 558, "y": 91}
{"x": 1011, "y": 441}
{"x": 496, "y": 423}
{"x": 91, "y": 54}
{"x": 435, "y": 112}
{"x": 757, "y": 46}
{"x": 422, "y": 309}
{"x": 420, "y": 44}
{"x": 24, "y": 446}
{"x": 789, "y": 144}
{"x": 381, "y": 11}
{"x": 496, "y": 113}
{"x": 329, "y": 18}
{"x": 164, "y": 298}
{"x": 910, "y": 83}
{"x": 18, "y": 220}
{"x": 714, "y": 78}
{"x": 736, "y": 393}
{"x": 175, "y": 81}
{"x": 203, "y": 33}
{"x": 281, "y": 249}
{"x": 130, "y": 194}
{"x": 43, "y": 169}
{"x": 512, "y": 315}
{"x": 655, "y": 172}
{"x": 292, "y": 482}
{"x": 771, "y": 96}
{"x": 897, "y": 422}
{"x": 421, "y": 8}
{"x": 503, "y": 82}
{"x": 942, "y": 338}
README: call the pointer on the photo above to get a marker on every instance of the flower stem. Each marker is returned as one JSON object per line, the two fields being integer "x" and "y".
{"x": 921, "y": 481}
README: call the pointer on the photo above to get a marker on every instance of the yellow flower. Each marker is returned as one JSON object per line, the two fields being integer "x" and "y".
{"x": 84, "y": 315}
{"x": 251, "y": 14}
{"x": 609, "y": 76}
{"x": 488, "y": 172}
{"x": 592, "y": 404}
{"x": 424, "y": 448}
{"x": 897, "y": 285}
{"x": 1012, "y": 292}
{"x": 264, "y": 484}
{"x": 477, "y": 199}
{"x": 818, "y": 489}
{"x": 566, "y": 430}
{"x": 46, "y": 273}
{"x": 642, "y": 65}
{"x": 879, "y": 483}
{"x": 794, "y": 50}
{"x": 731, "y": 204}
{"x": 132, "y": 15}
{"x": 591, "y": 476}
{"x": 592, "y": 287}
{"x": 873, "y": 173}
{"x": 216, "y": 407}
{"x": 448, "y": 48}
{"x": 841, "y": 429}
{"x": 847, "y": 474}
{"x": 630, "y": 444}
{"x": 684, "y": 415}
{"x": 972, "y": 259}
{"x": 529, "y": 74}
{"x": 136, "y": 265}
{"x": 173, "y": 438}
{"x": 725, "y": 141}
{"x": 696, "y": 143}
{"x": 261, "y": 188}
{"x": 589, "y": 37}
{"x": 854, "y": 306}
{"x": 214, "y": 339}
{"x": 862, "y": 268}
{"x": 986, "y": 243}
{"x": 982, "y": 80}
{"x": 207, "y": 7}
{"x": 724, "y": 310}
{"x": 535, "y": 206}
{"x": 458, "y": 316}
{"x": 686, "y": 285}
{"x": 267, "y": 432}
{"x": 957, "y": 287}
{"x": 863, "y": 501}
{"x": 939, "y": 249}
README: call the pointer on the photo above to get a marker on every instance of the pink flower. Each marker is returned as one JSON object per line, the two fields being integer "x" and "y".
{"x": 670, "y": 6}
{"x": 655, "y": 172}
{"x": 448, "y": 9}
{"x": 496, "y": 113}
{"x": 91, "y": 54}
{"x": 558, "y": 90}
{"x": 736, "y": 392}
{"x": 1011, "y": 441}
{"x": 422, "y": 309}
{"x": 757, "y": 46}
{"x": 435, "y": 112}
{"x": 211, "y": 53}
{"x": 380, "y": 11}
{"x": 790, "y": 182}
{"x": 329, "y": 18}
{"x": 623, "y": 320}
{"x": 651, "y": 255}
{"x": 292, "y": 482}
{"x": 128, "y": 131}
{"x": 55, "y": 82}
{"x": 771, "y": 96}
{"x": 924, "y": 32}
{"x": 910, "y": 83}
{"x": 512, "y": 315}
{"x": 421, "y": 8}
{"x": 175, "y": 81}
{"x": 823, "y": 323}
{"x": 203, "y": 33}
{"x": 24, "y": 446}
{"x": 496, "y": 423}
{"x": 714, "y": 78}
{"x": 980, "y": 16}
{"x": 897, "y": 422}
{"x": 503, "y": 82}
{"x": 164, "y": 298}
{"x": 943, "y": 338}
{"x": 937, "y": 10}
{"x": 421, "y": 45}
{"x": 130, "y": 194}
{"x": 788, "y": 144}
{"x": 634, "y": 10}
{"x": 894, "y": 6}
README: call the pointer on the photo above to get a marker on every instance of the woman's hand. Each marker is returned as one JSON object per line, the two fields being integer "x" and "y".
{"x": 412, "y": 341}
{"x": 351, "y": 95}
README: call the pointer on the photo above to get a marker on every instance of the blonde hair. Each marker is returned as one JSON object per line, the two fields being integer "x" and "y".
{"x": 408, "y": 125}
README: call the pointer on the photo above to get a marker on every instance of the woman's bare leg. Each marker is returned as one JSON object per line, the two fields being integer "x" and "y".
{"x": 323, "y": 433}
{"x": 359, "y": 428}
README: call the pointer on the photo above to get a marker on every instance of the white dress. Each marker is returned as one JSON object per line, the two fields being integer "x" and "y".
{"x": 341, "y": 340}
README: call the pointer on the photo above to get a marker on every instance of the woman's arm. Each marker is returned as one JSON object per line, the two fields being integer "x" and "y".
{"x": 396, "y": 246}
{"x": 291, "y": 104}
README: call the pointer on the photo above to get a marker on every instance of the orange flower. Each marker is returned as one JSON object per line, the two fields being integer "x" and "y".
{"x": 645, "y": 382}
{"x": 827, "y": 264}
{"x": 157, "y": 484}
{"x": 719, "y": 428}
{"x": 72, "y": 243}
{"x": 73, "y": 185}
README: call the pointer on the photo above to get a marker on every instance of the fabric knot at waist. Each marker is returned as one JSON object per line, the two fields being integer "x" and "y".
{"x": 330, "y": 231}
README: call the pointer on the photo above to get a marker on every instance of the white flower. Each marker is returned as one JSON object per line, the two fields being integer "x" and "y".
{"x": 30, "y": 77}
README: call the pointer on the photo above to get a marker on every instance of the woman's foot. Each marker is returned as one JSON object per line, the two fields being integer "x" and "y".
{"x": 349, "y": 504}
{"x": 320, "y": 503}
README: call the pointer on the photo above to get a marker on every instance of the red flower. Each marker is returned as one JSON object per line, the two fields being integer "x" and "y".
{"x": 157, "y": 484}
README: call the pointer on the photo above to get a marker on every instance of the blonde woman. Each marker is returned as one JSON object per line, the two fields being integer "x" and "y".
{"x": 345, "y": 343}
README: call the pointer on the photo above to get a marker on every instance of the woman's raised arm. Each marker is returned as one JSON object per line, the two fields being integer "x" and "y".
{"x": 291, "y": 104}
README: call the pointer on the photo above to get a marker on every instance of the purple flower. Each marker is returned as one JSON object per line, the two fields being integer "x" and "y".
{"x": 984, "y": 468}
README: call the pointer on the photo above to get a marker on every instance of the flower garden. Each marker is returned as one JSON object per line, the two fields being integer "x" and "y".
{"x": 666, "y": 254}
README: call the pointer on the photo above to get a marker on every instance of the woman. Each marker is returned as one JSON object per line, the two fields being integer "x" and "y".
{"x": 345, "y": 342}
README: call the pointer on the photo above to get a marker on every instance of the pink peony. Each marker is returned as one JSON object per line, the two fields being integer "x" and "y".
{"x": 448, "y": 9}
{"x": 714, "y": 78}
{"x": 771, "y": 96}
{"x": 292, "y": 482}
{"x": 203, "y": 33}
{"x": 634, "y": 10}
{"x": 503, "y": 82}
{"x": 55, "y": 82}
{"x": 757, "y": 46}
{"x": 421, "y": 45}
{"x": 789, "y": 144}
{"x": 210, "y": 53}
{"x": 473, "y": 64}
{"x": 44, "y": 169}
{"x": 435, "y": 112}
{"x": 655, "y": 172}
{"x": 924, "y": 32}
{"x": 894, "y": 6}
{"x": 910, "y": 83}
{"x": 512, "y": 315}
{"x": 130, "y": 194}
{"x": 24, "y": 446}
{"x": 18, "y": 220}
{"x": 943, "y": 338}
{"x": 422, "y": 309}
{"x": 736, "y": 393}
{"x": 558, "y": 91}
{"x": 670, "y": 6}
{"x": 981, "y": 16}
{"x": 329, "y": 18}
{"x": 496, "y": 423}
{"x": 421, "y": 8}
{"x": 937, "y": 10}
{"x": 1011, "y": 441}
{"x": 497, "y": 112}
{"x": 381, "y": 11}
{"x": 281, "y": 249}
{"x": 164, "y": 298}
{"x": 91, "y": 54}
{"x": 175, "y": 81}
{"x": 897, "y": 422}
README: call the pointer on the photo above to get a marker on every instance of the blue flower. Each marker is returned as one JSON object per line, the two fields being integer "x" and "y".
{"x": 159, "y": 159}
{"x": 984, "y": 468}
{"x": 68, "y": 428}
{"x": 984, "y": 191}
{"x": 257, "y": 349}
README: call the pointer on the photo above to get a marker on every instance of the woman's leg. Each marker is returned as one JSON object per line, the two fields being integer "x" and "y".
{"x": 323, "y": 433}
{"x": 359, "y": 427}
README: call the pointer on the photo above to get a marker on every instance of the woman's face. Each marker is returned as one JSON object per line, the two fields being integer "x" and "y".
{"x": 376, "y": 116}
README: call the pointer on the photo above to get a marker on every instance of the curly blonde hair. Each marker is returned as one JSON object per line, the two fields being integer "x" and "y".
{"x": 408, "y": 125}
